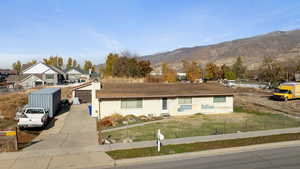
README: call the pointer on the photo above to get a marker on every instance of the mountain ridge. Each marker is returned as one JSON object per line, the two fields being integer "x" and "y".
{"x": 280, "y": 45}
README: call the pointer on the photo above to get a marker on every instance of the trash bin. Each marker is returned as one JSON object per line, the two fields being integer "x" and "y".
{"x": 90, "y": 110}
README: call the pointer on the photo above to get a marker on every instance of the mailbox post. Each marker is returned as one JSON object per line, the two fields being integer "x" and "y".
{"x": 160, "y": 137}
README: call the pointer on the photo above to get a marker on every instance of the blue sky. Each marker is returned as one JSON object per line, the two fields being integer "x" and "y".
{"x": 90, "y": 29}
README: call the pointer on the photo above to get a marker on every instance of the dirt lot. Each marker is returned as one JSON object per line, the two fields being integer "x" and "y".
{"x": 253, "y": 99}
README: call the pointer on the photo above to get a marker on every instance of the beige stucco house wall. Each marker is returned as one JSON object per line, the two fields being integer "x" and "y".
{"x": 153, "y": 106}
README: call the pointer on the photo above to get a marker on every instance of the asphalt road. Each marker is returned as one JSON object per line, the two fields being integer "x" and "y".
{"x": 283, "y": 158}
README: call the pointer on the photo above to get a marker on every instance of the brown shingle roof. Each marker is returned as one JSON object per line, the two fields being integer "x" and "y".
{"x": 154, "y": 90}
{"x": 82, "y": 85}
{"x": 26, "y": 66}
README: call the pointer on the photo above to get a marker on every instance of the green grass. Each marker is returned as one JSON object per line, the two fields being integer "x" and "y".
{"x": 203, "y": 125}
{"x": 201, "y": 146}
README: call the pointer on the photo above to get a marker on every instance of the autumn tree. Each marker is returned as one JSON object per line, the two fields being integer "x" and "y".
{"x": 54, "y": 61}
{"x": 212, "y": 71}
{"x": 227, "y": 73}
{"x": 32, "y": 62}
{"x": 75, "y": 64}
{"x": 132, "y": 67}
{"x": 88, "y": 65}
{"x": 111, "y": 59}
{"x": 69, "y": 63}
{"x": 120, "y": 67}
{"x": 169, "y": 74}
{"x": 192, "y": 70}
{"x": 271, "y": 71}
{"x": 126, "y": 65}
{"x": 17, "y": 66}
{"x": 144, "y": 67}
{"x": 238, "y": 68}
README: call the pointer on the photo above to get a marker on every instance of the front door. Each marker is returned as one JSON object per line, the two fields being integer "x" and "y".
{"x": 164, "y": 104}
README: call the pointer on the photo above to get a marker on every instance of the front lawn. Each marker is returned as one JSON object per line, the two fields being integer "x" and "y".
{"x": 203, "y": 125}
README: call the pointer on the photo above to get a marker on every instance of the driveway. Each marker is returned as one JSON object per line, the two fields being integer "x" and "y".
{"x": 69, "y": 142}
{"x": 72, "y": 129}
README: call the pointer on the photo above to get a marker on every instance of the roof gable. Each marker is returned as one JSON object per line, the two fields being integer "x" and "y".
{"x": 36, "y": 76}
{"x": 38, "y": 68}
{"x": 50, "y": 71}
{"x": 74, "y": 71}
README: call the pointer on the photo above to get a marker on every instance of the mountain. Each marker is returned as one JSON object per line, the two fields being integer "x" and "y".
{"x": 280, "y": 45}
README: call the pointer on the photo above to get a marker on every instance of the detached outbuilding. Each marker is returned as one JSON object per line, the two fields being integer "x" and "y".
{"x": 156, "y": 99}
{"x": 83, "y": 92}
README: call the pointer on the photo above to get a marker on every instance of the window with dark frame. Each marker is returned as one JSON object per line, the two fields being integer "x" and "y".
{"x": 219, "y": 99}
{"x": 49, "y": 76}
{"x": 131, "y": 103}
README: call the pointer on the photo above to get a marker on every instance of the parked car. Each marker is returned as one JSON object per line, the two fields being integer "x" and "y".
{"x": 230, "y": 83}
{"x": 33, "y": 117}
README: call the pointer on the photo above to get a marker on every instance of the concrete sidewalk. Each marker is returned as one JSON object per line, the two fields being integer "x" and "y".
{"x": 24, "y": 160}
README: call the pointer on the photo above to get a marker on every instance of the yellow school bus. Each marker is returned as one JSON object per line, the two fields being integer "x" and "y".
{"x": 287, "y": 91}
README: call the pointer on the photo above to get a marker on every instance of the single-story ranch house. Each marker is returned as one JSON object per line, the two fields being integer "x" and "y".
{"x": 156, "y": 99}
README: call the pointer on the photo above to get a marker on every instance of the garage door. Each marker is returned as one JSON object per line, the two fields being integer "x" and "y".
{"x": 85, "y": 96}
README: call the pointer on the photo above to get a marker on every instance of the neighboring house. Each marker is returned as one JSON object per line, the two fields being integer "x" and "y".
{"x": 156, "y": 99}
{"x": 181, "y": 76}
{"x": 4, "y": 73}
{"x": 41, "y": 74}
{"x": 77, "y": 75}
{"x": 7, "y": 72}
{"x": 32, "y": 80}
{"x": 156, "y": 73}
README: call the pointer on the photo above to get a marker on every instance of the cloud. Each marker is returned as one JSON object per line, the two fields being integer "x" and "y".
{"x": 108, "y": 42}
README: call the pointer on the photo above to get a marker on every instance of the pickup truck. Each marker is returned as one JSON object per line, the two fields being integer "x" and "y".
{"x": 33, "y": 117}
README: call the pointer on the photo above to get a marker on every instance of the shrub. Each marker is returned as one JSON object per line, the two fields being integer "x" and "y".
{"x": 143, "y": 118}
{"x": 131, "y": 118}
{"x": 106, "y": 122}
{"x": 117, "y": 119}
